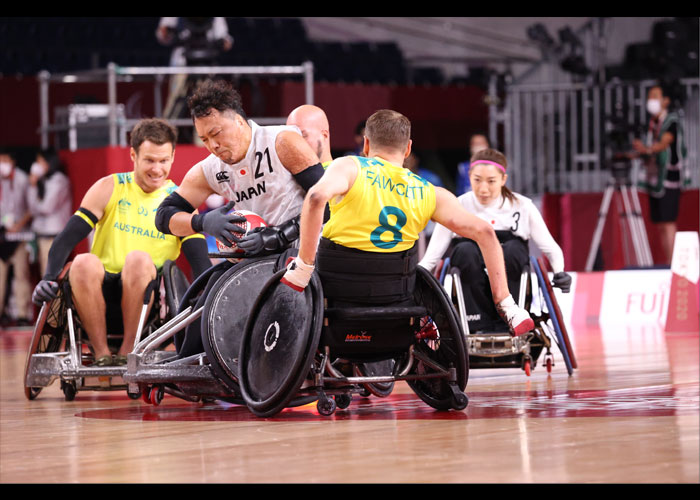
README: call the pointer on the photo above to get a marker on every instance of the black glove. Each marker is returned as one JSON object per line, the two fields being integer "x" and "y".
{"x": 220, "y": 224}
{"x": 45, "y": 291}
{"x": 260, "y": 241}
{"x": 271, "y": 239}
{"x": 562, "y": 280}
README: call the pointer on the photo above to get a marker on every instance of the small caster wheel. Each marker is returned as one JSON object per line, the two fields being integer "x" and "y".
{"x": 156, "y": 395}
{"x": 548, "y": 363}
{"x": 527, "y": 366}
{"x": 146, "y": 395}
{"x": 133, "y": 395}
{"x": 326, "y": 406}
{"x": 343, "y": 400}
{"x": 69, "y": 390}
{"x": 460, "y": 401}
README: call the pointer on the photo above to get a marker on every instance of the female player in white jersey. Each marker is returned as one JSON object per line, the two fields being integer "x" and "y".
{"x": 515, "y": 219}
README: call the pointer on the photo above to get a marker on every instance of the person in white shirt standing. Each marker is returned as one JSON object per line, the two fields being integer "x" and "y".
{"x": 515, "y": 219}
{"x": 14, "y": 219}
{"x": 50, "y": 201}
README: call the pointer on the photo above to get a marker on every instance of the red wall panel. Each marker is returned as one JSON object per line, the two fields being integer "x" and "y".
{"x": 572, "y": 219}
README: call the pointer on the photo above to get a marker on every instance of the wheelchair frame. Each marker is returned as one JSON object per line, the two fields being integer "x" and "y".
{"x": 501, "y": 350}
{"x": 57, "y": 346}
{"x": 206, "y": 376}
{"x": 154, "y": 372}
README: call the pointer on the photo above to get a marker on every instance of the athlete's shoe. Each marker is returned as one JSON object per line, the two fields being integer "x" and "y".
{"x": 517, "y": 318}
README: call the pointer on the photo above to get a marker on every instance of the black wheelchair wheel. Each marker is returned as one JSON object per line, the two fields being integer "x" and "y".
{"x": 279, "y": 343}
{"x": 49, "y": 331}
{"x": 448, "y": 349}
{"x": 384, "y": 367}
{"x": 198, "y": 285}
{"x": 226, "y": 310}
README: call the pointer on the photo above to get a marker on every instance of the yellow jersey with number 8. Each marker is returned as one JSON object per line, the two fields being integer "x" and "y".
{"x": 384, "y": 211}
{"x": 128, "y": 224}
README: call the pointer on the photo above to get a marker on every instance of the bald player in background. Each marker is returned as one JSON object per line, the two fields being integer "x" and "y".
{"x": 313, "y": 124}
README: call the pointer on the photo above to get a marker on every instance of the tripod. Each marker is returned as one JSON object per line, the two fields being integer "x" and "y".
{"x": 631, "y": 215}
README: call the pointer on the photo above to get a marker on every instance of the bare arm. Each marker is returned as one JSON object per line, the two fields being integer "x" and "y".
{"x": 294, "y": 152}
{"x": 451, "y": 214}
{"x": 337, "y": 181}
{"x": 195, "y": 189}
{"x": 96, "y": 198}
{"x": 663, "y": 143}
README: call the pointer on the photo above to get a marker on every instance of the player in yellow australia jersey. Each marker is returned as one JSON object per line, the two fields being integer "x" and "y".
{"x": 127, "y": 252}
{"x": 367, "y": 251}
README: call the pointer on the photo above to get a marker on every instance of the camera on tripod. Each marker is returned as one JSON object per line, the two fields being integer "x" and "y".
{"x": 200, "y": 50}
{"x": 618, "y": 144}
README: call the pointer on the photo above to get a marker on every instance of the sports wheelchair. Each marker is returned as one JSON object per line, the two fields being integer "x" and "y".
{"x": 59, "y": 348}
{"x": 269, "y": 347}
{"x": 498, "y": 349}
{"x": 222, "y": 304}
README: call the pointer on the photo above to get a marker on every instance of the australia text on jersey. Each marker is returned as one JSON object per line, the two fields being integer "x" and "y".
{"x": 139, "y": 231}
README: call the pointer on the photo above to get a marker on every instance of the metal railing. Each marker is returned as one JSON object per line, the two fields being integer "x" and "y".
{"x": 557, "y": 136}
{"x": 114, "y": 74}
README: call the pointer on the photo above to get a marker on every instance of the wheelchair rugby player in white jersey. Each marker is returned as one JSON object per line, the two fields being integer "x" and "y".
{"x": 262, "y": 169}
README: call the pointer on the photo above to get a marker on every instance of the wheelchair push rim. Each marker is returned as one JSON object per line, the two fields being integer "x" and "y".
{"x": 552, "y": 306}
{"x": 279, "y": 344}
{"x": 448, "y": 349}
{"x": 47, "y": 338}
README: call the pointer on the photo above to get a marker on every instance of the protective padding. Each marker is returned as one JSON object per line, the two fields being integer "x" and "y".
{"x": 226, "y": 310}
{"x": 448, "y": 350}
{"x": 280, "y": 339}
{"x": 555, "y": 315}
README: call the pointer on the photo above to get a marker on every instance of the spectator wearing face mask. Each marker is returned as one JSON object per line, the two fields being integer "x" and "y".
{"x": 50, "y": 201}
{"x": 477, "y": 142}
{"x": 663, "y": 153}
{"x": 14, "y": 220}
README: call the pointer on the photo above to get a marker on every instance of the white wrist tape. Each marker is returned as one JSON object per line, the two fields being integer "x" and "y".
{"x": 298, "y": 274}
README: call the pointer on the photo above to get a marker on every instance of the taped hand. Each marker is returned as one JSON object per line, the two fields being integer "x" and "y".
{"x": 298, "y": 274}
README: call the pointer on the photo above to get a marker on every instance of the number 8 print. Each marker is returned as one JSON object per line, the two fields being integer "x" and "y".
{"x": 384, "y": 227}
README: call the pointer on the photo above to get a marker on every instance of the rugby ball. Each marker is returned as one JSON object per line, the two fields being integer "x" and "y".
{"x": 252, "y": 221}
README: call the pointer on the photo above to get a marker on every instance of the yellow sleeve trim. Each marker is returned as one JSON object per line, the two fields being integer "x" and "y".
{"x": 85, "y": 218}
{"x": 196, "y": 235}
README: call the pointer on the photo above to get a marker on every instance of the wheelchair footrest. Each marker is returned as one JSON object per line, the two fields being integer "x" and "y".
{"x": 496, "y": 344}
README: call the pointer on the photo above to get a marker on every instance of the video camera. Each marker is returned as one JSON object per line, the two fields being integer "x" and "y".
{"x": 199, "y": 49}
{"x": 618, "y": 144}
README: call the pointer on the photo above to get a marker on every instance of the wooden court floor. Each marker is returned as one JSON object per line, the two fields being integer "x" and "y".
{"x": 629, "y": 414}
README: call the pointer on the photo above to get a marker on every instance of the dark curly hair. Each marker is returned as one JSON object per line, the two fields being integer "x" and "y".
{"x": 214, "y": 94}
